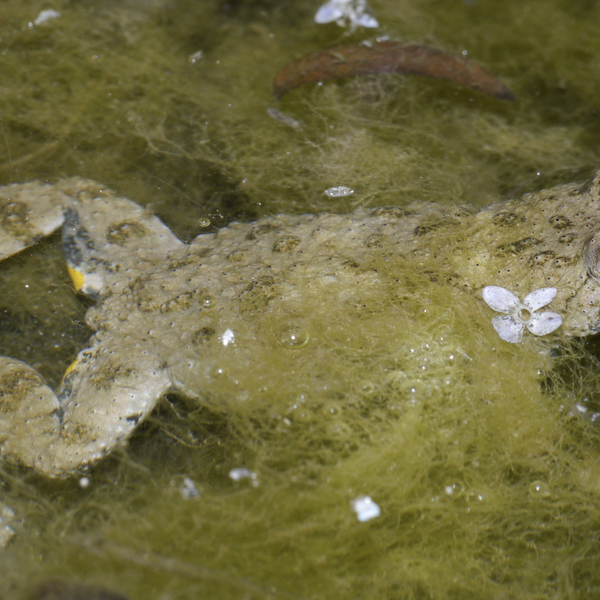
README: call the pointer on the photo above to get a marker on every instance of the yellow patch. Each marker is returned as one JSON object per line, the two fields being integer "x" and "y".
{"x": 71, "y": 368}
{"x": 76, "y": 277}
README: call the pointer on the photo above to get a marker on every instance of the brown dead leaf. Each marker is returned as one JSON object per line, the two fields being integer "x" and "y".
{"x": 387, "y": 57}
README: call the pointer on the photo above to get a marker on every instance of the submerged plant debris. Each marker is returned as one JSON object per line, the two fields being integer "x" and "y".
{"x": 61, "y": 590}
{"x": 371, "y": 58}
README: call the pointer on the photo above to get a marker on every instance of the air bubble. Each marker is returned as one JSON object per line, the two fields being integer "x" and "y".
{"x": 368, "y": 387}
{"x": 539, "y": 489}
{"x": 292, "y": 335}
{"x": 454, "y": 489}
{"x": 474, "y": 497}
{"x": 219, "y": 372}
{"x": 207, "y": 301}
{"x": 204, "y": 222}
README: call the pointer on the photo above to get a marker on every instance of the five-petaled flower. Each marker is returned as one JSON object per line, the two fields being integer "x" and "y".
{"x": 355, "y": 12}
{"x": 521, "y": 314}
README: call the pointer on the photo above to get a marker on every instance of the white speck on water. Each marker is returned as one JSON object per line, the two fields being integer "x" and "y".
{"x": 241, "y": 473}
{"x": 196, "y": 57}
{"x": 188, "y": 489}
{"x": 228, "y": 337}
{"x": 365, "y": 508}
{"x": 339, "y": 191}
{"x": 46, "y": 15}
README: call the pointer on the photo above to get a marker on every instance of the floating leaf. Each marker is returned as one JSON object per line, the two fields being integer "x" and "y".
{"x": 387, "y": 57}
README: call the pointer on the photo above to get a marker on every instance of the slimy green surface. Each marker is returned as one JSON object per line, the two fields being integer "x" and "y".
{"x": 488, "y": 486}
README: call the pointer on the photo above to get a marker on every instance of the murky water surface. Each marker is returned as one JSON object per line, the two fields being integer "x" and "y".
{"x": 487, "y": 487}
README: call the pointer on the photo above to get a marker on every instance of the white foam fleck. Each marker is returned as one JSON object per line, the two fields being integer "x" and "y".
{"x": 46, "y": 15}
{"x": 365, "y": 508}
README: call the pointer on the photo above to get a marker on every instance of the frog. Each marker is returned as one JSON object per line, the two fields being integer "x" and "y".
{"x": 166, "y": 312}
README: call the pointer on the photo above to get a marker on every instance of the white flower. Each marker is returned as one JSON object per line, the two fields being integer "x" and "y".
{"x": 355, "y": 11}
{"x": 521, "y": 314}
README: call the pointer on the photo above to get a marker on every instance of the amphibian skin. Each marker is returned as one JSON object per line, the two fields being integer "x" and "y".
{"x": 166, "y": 312}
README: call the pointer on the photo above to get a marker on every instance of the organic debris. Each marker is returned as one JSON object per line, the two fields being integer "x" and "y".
{"x": 59, "y": 590}
{"x": 387, "y": 57}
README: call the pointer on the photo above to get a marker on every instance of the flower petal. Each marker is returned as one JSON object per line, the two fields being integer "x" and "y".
{"x": 539, "y": 298}
{"x": 328, "y": 13}
{"x": 545, "y": 323}
{"x": 508, "y": 328}
{"x": 365, "y": 20}
{"x": 500, "y": 299}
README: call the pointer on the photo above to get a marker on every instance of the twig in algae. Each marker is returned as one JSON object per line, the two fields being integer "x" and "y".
{"x": 153, "y": 561}
{"x": 22, "y": 160}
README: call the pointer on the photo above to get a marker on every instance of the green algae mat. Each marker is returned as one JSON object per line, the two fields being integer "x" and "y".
{"x": 477, "y": 452}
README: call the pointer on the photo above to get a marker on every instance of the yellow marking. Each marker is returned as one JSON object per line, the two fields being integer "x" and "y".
{"x": 76, "y": 277}
{"x": 71, "y": 368}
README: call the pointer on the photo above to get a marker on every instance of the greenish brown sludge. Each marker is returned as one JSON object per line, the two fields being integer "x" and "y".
{"x": 487, "y": 484}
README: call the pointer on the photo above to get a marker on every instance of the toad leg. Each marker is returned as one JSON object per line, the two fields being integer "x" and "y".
{"x": 98, "y": 406}
{"x": 28, "y": 212}
{"x": 113, "y": 385}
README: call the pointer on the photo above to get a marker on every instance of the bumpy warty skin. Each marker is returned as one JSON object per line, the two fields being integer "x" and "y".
{"x": 164, "y": 309}
{"x": 546, "y": 239}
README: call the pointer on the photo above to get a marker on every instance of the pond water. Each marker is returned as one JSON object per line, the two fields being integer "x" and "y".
{"x": 488, "y": 487}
